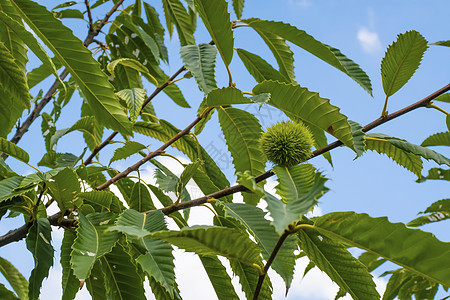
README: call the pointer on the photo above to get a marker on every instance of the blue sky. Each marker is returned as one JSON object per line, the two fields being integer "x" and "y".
{"x": 371, "y": 184}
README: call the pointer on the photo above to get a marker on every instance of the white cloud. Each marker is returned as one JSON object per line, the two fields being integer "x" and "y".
{"x": 369, "y": 40}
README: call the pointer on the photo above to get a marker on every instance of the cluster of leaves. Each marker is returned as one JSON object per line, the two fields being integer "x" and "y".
{"x": 114, "y": 242}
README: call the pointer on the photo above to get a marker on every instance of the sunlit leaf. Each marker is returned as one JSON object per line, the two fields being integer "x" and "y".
{"x": 421, "y": 151}
{"x": 14, "y": 278}
{"x": 70, "y": 284}
{"x": 134, "y": 99}
{"x": 401, "y": 60}
{"x": 438, "y": 211}
{"x": 140, "y": 198}
{"x": 13, "y": 150}
{"x": 130, "y": 148}
{"x": 176, "y": 14}
{"x": 219, "y": 278}
{"x": 215, "y": 16}
{"x": 78, "y": 60}
{"x": 64, "y": 188}
{"x": 258, "y": 67}
{"x": 437, "y": 139}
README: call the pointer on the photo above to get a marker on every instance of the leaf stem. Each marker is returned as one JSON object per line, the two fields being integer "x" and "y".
{"x": 438, "y": 108}
{"x": 384, "y": 112}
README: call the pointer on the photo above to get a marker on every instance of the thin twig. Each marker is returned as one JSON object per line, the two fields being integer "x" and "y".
{"x": 151, "y": 155}
{"x": 40, "y": 195}
{"x": 91, "y": 22}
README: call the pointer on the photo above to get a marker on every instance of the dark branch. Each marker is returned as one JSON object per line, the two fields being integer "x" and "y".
{"x": 88, "y": 9}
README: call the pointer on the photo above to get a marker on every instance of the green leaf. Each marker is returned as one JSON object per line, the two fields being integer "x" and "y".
{"x": 393, "y": 241}
{"x": 39, "y": 244}
{"x": 130, "y": 148}
{"x": 121, "y": 276}
{"x": 64, "y": 189}
{"x": 6, "y": 294}
{"x": 422, "y": 151}
{"x": 238, "y": 6}
{"x": 438, "y": 211}
{"x": 226, "y": 96}
{"x": 92, "y": 242}
{"x": 219, "y": 278}
{"x": 176, "y": 14}
{"x": 70, "y": 51}
{"x": 96, "y": 282}
{"x": 206, "y": 240}
{"x": 248, "y": 278}
{"x": 65, "y": 4}
{"x": 303, "y": 40}
{"x": 299, "y": 187}
{"x": 134, "y": 98}
{"x": 130, "y": 63}
{"x": 13, "y": 150}
{"x": 242, "y": 131}
{"x": 442, "y": 43}
{"x": 335, "y": 260}
{"x": 215, "y": 16}
{"x": 157, "y": 260}
{"x": 167, "y": 201}
{"x": 308, "y": 106}
{"x": 38, "y": 74}
{"x": 320, "y": 139}
{"x": 253, "y": 218}
{"x": 282, "y": 53}
{"x": 70, "y": 284}
{"x": 436, "y": 174}
{"x": 102, "y": 200}
{"x": 140, "y": 198}
{"x": 401, "y": 60}
{"x": 259, "y": 68}
{"x": 186, "y": 175}
{"x": 443, "y": 98}
{"x": 14, "y": 278}
{"x": 200, "y": 60}
{"x": 358, "y": 138}
{"x": 7, "y": 187}
{"x": 437, "y": 139}
{"x": 28, "y": 38}
{"x": 68, "y": 14}
{"x": 188, "y": 145}
{"x": 14, "y": 84}
{"x": 14, "y": 43}
{"x": 382, "y": 145}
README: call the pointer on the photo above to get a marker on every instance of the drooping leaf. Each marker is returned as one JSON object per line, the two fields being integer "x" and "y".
{"x": 129, "y": 63}
{"x": 253, "y": 218}
{"x": 96, "y": 282}
{"x": 401, "y": 60}
{"x": 320, "y": 139}
{"x": 207, "y": 185}
{"x": 121, "y": 276}
{"x": 39, "y": 244}
{"x": 259, "y": 68}
{"x": 338, "y": 263}
{"x": 215, "y": 16}
{"x": 358, "y": 138}
{"x": 38, "y": 74}
{"x": 382, "y": 145}
{"x": 242, "y": 132}
{"x": 92, "y": 242}
{"x": 7, "y": 187}
{"x": 70, "y": 284}
{"x": 102, "y": 201}
{"x": 14, "y": 86}
{"x": 299, "y": 187}
{"x": 14, "y": 278}
{"x": 200, "y": 60}
{"x": 437, "y": 139}
{"x": 219, "y": 278}
{"x": 6, "y": 294}
{"x": 393, "y": 241}
{"x": 68, "y": 14}
{"x": 326, "y": 53}
{"x": 206, "y": 240}
{"x": 134, "y": 98}
{"x": 176, "y": 14}
{"x": 442, "y": 43}
{"x": 421, "y": 151}
{"x": 130, "y": 148}
{"x": 308, "y": 106}
{"x": 64, "y": 189}
{"x": 140, "y": 198}
{"x": 238, "y": 6}
{"x": 13, "y": 150}
{"x": 167, "y": 201}
{"x": 186, "y": 175}
{"x": 248, "y": 278}
{"x": 438, "y": 211}
{"x": 70, "y": 51}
